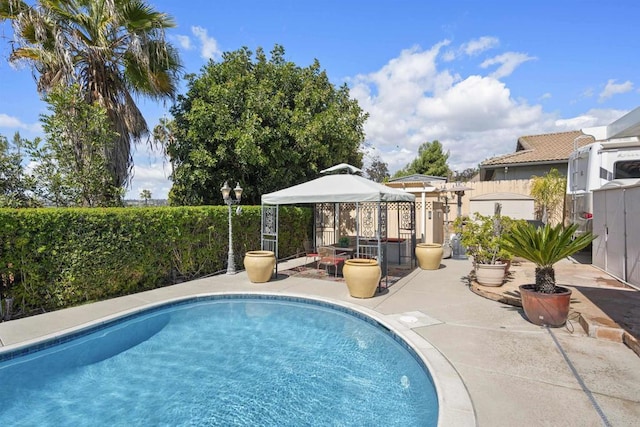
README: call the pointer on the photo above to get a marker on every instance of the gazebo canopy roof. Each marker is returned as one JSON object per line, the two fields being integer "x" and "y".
{"x": 339, "y": 188}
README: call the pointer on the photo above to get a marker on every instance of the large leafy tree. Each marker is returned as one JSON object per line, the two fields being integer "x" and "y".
{"x": 378, "y": 170}
{"x": 431, "y": 160}
{"x": 71, "y": 164}
{"x": 263, "y": 122}
{"x": 16, "y": 187}
{"x": 114, "y": 49}
{"x": 464, "y": 176}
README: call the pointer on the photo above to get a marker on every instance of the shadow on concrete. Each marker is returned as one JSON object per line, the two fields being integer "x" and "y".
{"x": 582, "y": 257}
{"x": 621, "y": 306}
{"x": 395, "y": 273}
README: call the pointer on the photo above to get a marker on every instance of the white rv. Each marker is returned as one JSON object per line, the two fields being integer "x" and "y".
{"x": 614, "y": 155}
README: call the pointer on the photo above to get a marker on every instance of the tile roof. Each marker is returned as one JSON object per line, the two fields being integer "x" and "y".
{"x": 418, "y": 177}
{"x": 541, "y": 148}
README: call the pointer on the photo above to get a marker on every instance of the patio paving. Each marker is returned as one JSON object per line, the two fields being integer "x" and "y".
{"x": 601, "y": 305}
{"x": 512, "y": 372}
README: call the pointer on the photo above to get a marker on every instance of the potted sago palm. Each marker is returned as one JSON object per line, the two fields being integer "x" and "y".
{"x": 545, "y": 303}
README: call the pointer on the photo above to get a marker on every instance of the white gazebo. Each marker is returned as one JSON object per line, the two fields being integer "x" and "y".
{"x": 347, "y": 204}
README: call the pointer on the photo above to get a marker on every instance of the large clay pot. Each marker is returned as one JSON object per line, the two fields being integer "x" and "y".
{"x": 429, "y": 255}
{"x": 259, "y": 265}
{"x": 490, "y": 274}
{"x": 546, "y": 309}
{"x": 362, "y": 277}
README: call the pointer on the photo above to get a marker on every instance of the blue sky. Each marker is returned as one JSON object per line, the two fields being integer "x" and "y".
{"x": 475, "y": 75}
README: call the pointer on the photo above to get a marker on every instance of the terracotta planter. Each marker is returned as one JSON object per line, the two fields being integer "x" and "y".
{"x": 546, "y": 309}
{"x": 259, "y": 265}
{"x": 362, "y": 277}
{"x": 429, "y": 255}
{"x": 490, "y": 274}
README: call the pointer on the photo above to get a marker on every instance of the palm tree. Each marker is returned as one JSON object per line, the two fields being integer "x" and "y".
{"x": 549, "y": 192}
{"x": 544, "y": 246}
{"x": 114, "y": 49}
{"x": 146, "y": 196}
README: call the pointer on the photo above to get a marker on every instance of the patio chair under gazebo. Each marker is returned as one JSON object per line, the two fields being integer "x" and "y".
{"x": 346, "y": 198}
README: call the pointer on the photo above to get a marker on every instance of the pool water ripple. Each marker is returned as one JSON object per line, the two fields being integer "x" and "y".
{"x": 223, "y": 362}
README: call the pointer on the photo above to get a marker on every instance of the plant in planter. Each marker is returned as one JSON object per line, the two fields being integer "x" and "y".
{"x": 483, "y": 238}
{"x": 544, "y": 302}
{"x": 343, "y": 242}
{"x": 505, "y": 257}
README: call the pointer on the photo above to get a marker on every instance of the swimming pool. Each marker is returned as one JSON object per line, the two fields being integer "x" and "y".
{"x": 223, "y": 361}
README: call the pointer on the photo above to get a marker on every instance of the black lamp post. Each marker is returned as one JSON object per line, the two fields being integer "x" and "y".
{"x": 226, "y": 196}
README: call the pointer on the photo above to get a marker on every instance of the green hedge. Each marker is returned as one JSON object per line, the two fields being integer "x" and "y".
{"x": 55, "y": 258}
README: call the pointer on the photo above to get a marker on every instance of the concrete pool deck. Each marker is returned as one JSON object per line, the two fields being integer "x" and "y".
{"x": 492, "y": 366}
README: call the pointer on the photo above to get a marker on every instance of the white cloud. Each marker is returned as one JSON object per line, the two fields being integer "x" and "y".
{"x": 587, "y": 93}
{"x": 152, "y": 177}
{"x": 508, "y": 63}
{"x": 613, "y": 88}
{"x": 209, "y": 46}
{"x": 184, "y": 42}
{"x": 593, "y": 117}
{"x": 449, "y": 56}
{"x": 471, "y": 48}
{"x": 410, "y": 101}
{"x": 15, "y": 123}
{"x": 10, "y": 122}
{"x": 477, "y": 46}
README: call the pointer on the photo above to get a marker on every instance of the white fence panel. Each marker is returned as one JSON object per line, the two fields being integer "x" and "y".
{"x": 616, "y": 222}
{"x": 632, "y": 225}
{"x": 599, "y": 252}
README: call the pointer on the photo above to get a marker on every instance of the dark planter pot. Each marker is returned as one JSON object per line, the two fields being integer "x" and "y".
{"x": 546, "y": 309}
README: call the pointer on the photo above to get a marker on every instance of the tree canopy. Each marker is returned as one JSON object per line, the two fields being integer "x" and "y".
{"x": 378, "y": 170}
{"x": 431, "y": 160}
{"x": 263, "y": 122}
{"x": 465, "y": 175}
{"x": 548, "y": 192}
{"x": 71, "y": 164}
{"x": 114, "y": 50}
{"x": 16, "y": 186}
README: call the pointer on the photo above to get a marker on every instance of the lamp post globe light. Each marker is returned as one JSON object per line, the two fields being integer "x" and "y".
{"x": 229, "y": 201}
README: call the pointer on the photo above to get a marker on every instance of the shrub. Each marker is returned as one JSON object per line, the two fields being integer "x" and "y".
{"x": 63, "y": 257}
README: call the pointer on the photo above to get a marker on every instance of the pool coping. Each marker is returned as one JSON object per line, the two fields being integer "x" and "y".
{"x": 455, "y": 405}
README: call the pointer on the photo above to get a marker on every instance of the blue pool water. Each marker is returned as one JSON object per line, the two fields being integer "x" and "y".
{"x": 230, "y": 361}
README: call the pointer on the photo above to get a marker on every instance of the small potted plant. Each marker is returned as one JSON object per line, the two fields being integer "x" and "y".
{"x": 544, "y": 302}
{"x": 483, "y": 238}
